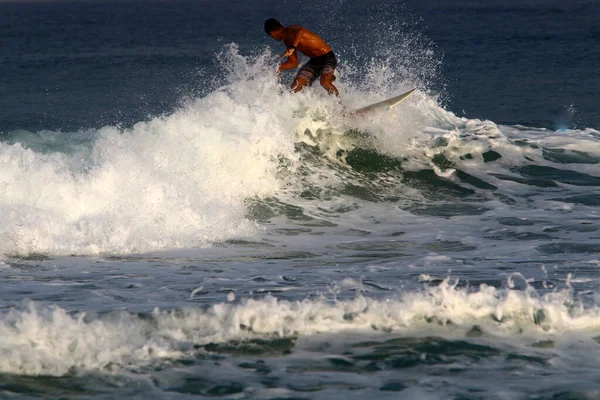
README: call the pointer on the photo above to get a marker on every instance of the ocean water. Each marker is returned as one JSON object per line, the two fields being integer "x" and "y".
{"x": 174, "y": 224}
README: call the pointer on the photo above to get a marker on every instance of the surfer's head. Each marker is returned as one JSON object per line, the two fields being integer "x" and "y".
{"x": 274, "y": 28}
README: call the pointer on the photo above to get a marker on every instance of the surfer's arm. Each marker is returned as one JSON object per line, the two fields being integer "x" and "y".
{"x": 294, "y": 43}
{"x": 291, "y": 62}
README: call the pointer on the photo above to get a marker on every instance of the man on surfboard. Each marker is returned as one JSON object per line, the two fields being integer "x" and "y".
{"x": 298, "y": 39}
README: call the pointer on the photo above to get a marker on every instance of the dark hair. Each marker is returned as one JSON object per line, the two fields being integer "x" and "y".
{"x": 272, "y": 25}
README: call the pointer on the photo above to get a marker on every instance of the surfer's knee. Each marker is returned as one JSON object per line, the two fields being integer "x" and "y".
{"x": 299, "y": 84}
{"x": 327, "y": 82}
{"x": 328, "y": 78}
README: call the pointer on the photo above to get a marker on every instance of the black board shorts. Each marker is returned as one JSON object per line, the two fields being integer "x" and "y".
{"x": 323, "y": 64}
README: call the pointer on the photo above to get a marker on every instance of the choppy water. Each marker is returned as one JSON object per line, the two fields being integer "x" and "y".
{"x": 175, "y": 224}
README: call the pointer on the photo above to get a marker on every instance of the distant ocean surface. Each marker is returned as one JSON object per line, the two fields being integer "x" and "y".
{"x": 174, "y": 224}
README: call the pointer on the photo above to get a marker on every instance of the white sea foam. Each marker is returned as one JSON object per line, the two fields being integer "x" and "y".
{"x": 174, "y": 181}
{"x": 48, "y": 340}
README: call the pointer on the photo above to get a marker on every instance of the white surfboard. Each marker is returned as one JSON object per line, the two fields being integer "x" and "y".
{"x": 383, "y": 105}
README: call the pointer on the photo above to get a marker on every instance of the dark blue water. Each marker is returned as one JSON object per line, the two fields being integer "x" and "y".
{"x": 69, "y": 65}
{"x": 525, "y": 62}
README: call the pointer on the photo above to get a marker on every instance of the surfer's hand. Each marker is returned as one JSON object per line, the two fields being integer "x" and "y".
{"x": 288, "y": 52}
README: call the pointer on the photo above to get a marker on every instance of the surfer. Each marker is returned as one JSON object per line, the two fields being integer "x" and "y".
{"x": 299, "y": 39}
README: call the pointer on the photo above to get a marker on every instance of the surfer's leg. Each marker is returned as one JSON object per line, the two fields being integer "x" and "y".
{"x": 306, "y": 76}
{"x": 327, "y": 73}
{"x": 298, "y": 84}
{"x": 327, "y": 83}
